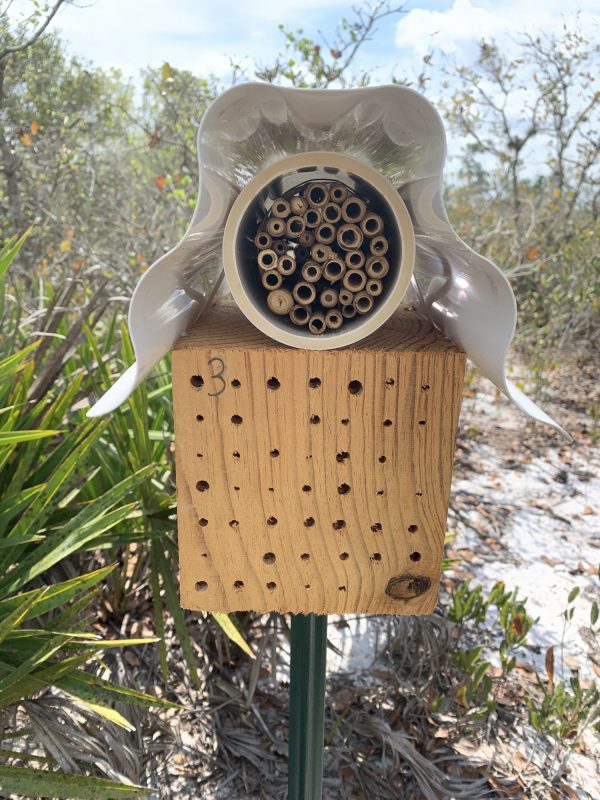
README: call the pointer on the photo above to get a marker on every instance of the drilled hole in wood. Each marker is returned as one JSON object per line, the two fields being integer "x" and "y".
{"x": 380, "y": 492}
{"x": 387, "y": 422}
{"x": 236, "y": 488}
{"x": 425, "y": 387}
{"x": 271, "y": 586}
{"x": 269, "y": 558}
{"x": 314, "y": 383}
{"x": 309, "y": 522}
{"x": 238, "y": 585}
{"x": 199, "y": 417}
{"x": 339, "y": 524}
{"x": 413, "y": 528}
{"x": 345, "y": 421}
{"x": 422, "y": 422}
{"x": 382, "y": 459}
{"x": 271, "y": 521}
{"x": 344, "y": 556}
{"x": 203, "y": 522}
{"x": 235, "y": 454}
{"x": 204, "y": 555}
{"x": 418, "y": 494}
{"x": 307, "y": 585}
{"x": 274, "y": 453}
{"x": 271, "y": 489}
{"x": 235, "y": 383}
{"x": 355, "y": 387}
{"x": 307, "y": 488}
{"x": 273, "y": 383}
{"x": 376, "y": 527}
{"x": 234, "y": 523}
{"x": 203, "y": 486}
{"x": 415, "y": 556}
{"x": 343, "y": 488}
{"x": 236, "y": 419}
{"x": 305, "y": 556}
{"x": 199, "y": 455}
{"x": 390, "y": 382}
{"x": 308, "y": 457}
{"x": 197, "y": 381}
{"x": 341, "y": 588}
{"x": 376, "y": 557}
{"x": 315, "y": 419}
{"x": 342, "y": 456}
{"x": 201, "y": 586}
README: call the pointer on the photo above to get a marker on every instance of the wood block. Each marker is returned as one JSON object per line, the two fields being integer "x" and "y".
{"x": 313, "y": 480}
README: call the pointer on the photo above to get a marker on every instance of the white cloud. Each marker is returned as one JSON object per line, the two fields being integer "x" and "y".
{"x": 458, "y": 29}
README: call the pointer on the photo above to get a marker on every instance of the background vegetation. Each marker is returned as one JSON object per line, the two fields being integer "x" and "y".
{"x": 97, "y": 179}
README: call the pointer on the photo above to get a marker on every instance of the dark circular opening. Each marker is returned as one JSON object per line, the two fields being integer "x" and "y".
{"x": 315, "y": 419}
{"x": 316, "y": 194}
{"x": 342, "y": 456}
{"x": 339, "y": 524}
{"x": 233, "y": 523}
{"x": 309, "y": 522}
{"x": 203, "y": 486}
{"x": 269, "y": 558}
{"x": 343, "y": 488}
{"x": 203, "y": 522}
{"x": 364, "y": 303}
{"x": 414, "y": 528}
{"x": 274, "y": 453}
{"x": 238, "y": 585}
{"x": 355, "y": 387}
{"x": 197, "y": 381}
{"x": 416, "y": 556}
{"x": 307, "y": 488}
{"x": 271, "y": 586}
{"x": 314, "y": 383}
{"x": 376, "y": 527}
{"x": 272, "y": 279}
{"x": 235, "y": 383}
{"x": 271, "y": 521}
{"x": 344, "y": 556}
{"x": 312, "y": 217}
{"x": 305, "y": 556}
{"x": 201, "y": 586}
{"x": 382, "y": 459}
{"x": 376, "y": 557}
{"x": 273, "y": 383}
{"x": 199, "y": 417}
{"x": 236, "y": 419}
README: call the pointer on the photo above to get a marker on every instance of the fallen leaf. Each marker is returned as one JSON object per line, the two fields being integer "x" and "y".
{"x": 533, "y": 253}
{"x": 35, "y": 127}
{"x": 160, "y": 181}
{"x": 65, "y": 246}
{"x": 588, "y": 510}
{"x": 25, "y": 139}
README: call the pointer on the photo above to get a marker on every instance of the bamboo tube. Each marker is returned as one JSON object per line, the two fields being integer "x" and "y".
{"x": 299, "y": 314}
{"x": 316, "y": 324}
{"x": 311, "y": 272}
{"x": 371, "y": 224}
{"x": 286, "y": 265}
{"x": 346, "y": 297}
{"x": 262, "y": 240}
{"x": 281, "y": 208}
{"x": 353, "y": 209}
{"x": 280, "y": 247}
{"x": 306, "y": 239}
{"x": 276, "y": 227}
{"x": 379, "y": 245}
{"x": 349, "y": 236}
{"x": 348, "y": 311}
{"x": 374, "y": 287}
{"x": 334, "y": 269}
{"x": 267, "y": 259}
{"x": 272, "y": 279}
{"x": 355, "y": 259}
{"x": 338, "y": 193}
{"x": 363, "y": 303}
{"x": 298, "y": 204}
{"x": 294, "y": 227}
{"x": 333, "y": 319}
{"x": 319, "y": 252}
{"x": 332, "y": 213}
{"x": 354, "y": 280}
{"x": 328, "y": 298}
{"x": 325, "y": 233}
{"x": 304, "y": 293}
{"x": 377, "y": 266}
{"x": 312, "y": 217}
{"x": 317, "y": 194}
{"x": 280, "y": 301}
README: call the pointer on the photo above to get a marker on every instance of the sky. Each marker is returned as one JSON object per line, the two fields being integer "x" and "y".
{"x": 202, "y": 35}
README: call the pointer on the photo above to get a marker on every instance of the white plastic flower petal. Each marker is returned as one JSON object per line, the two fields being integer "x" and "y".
{"x": 390, "y": 129}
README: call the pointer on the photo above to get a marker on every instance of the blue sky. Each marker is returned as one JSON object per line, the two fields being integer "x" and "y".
{"x": 201, "y": 35}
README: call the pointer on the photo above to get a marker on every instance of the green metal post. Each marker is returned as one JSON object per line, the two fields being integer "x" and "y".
{"x": 307, "y": 706}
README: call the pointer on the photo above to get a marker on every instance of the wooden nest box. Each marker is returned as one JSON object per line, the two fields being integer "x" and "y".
{"x": 313, "y": 481}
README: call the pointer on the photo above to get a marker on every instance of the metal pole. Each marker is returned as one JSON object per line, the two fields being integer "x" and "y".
{"x": 307, "y": 706}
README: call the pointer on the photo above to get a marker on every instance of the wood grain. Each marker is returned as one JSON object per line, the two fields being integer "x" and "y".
{"x": 315, "y": 480}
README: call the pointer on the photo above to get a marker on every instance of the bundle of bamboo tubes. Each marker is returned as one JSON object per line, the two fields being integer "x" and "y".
{"x": 321, "y": 255}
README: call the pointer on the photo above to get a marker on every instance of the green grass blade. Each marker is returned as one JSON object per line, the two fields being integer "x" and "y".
{"x": 225, "y": 622}
{"x": 29, "y": 782}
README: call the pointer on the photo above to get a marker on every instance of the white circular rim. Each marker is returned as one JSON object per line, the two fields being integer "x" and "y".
{"x": 372, "y": 322}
